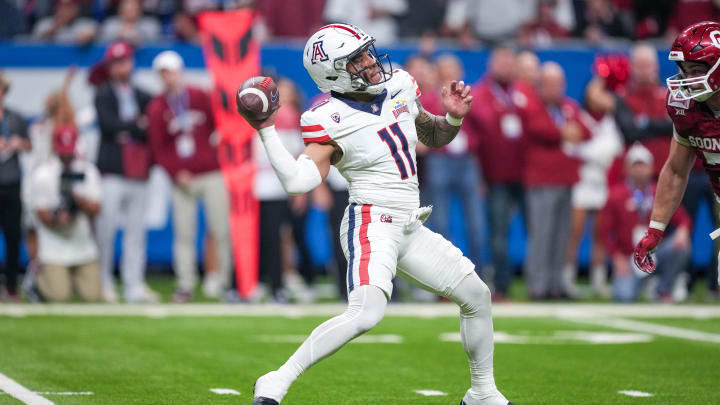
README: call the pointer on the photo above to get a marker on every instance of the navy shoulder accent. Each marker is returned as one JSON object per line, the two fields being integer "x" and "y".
{"x": 373, "y": 106}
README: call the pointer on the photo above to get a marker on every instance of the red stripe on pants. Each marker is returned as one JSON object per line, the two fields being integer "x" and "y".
{"x": 364, "y": 246}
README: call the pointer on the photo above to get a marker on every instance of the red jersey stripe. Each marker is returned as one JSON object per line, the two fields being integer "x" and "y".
{"x": 364, "y": 245}
{"x": 311, "y": 128}
{"x": 319, "y": 139}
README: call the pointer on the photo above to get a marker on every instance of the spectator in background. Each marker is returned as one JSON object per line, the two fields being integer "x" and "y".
{"x": 453, "y": 171}
{"x": 642, "y": 112}
{"x": 590, "y": 193}
{"x": 495, "y": 125}
{"x": 650, "y": 16}
{"x": 624, "y": 221}
{"x": 376, "y": 16}
{"x": 66, "y": 25}
{"x": 13, "y": 140}
{"x": 185, "y": 21}
{"x": 184, "y": 142}
{"x": 276, "y": 207}
{"x": 12, "y": 21}
{"x": 426, "y": 76}
{"x": 297, "y": 19}
{"x": 425, "y": 17}
{"x": 58, "y": 113}
{"x": 124, "y": 161}
{"x": 130, "y": 25}
{"x": 599, "y": 20}
{"x": 527, "y": 73}
{"x": 549, "y": 120}
{"x": 65, "y": 197}
{"x": 689, "y": 12}
{"x": 468, "y": 19}
{"x": 544, "y": 29}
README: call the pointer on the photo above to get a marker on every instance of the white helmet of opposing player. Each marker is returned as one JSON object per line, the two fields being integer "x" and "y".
{"x": 328, "y": 52}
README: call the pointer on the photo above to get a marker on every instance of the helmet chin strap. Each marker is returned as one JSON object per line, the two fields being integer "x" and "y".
{"x": 705, "y": 97}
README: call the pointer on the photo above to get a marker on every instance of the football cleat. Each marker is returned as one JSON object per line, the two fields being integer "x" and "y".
{"x": 496, "y": 398}
{"x": 264, "y": 401}
{"x": 269, "y": 389}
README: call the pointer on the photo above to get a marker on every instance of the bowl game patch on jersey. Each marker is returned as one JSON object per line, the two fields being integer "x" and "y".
{"x": 400, "y": 107}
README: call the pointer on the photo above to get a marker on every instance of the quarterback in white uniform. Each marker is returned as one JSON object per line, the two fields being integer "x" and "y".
{"x": 369, "y": 129}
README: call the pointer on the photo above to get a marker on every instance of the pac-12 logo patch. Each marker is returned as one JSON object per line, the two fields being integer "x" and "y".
{"x": 400, "y": 107}
{"x": 386, "y": 218}
{"x": 335, "y": 117}
{"x": 318, "y": 54}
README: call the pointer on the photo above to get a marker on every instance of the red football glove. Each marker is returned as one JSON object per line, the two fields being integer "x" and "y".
{"x": 647, "y": 245}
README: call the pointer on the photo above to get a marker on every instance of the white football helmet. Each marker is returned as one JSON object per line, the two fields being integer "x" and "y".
{"x": 328, "y": 52}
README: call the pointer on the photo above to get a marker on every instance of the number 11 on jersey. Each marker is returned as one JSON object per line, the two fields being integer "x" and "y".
{"x": 390, "y": 142}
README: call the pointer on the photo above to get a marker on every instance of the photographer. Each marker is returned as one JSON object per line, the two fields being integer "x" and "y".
{"x": 66, "y": 197}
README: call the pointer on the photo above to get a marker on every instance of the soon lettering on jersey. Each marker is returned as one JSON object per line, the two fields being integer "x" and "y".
{"x": 704, "y": 143}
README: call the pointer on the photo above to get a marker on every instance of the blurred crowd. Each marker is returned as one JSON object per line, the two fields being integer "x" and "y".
{"x": 467, "y": 22}
{"x": 526, "y": 150}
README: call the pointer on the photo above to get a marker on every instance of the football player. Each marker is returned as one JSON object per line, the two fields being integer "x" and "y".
{"x": 694, "y": 107}
{"x": 368, "y": 128}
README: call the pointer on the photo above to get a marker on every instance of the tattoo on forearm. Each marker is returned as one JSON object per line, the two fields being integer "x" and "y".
{"x": 433, "y": 130}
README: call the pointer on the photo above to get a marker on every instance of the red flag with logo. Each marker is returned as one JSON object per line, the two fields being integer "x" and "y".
{"x": 232, "y": 56}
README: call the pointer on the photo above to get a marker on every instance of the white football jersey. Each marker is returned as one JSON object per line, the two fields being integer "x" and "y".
{"x": 378, "y": 140}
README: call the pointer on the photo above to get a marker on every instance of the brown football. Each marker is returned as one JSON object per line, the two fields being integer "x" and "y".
{"x": 257, "y": 98}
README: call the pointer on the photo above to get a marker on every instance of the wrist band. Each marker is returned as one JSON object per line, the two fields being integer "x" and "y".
{"x": 452, "y": 120}
{"x": 267, "y": 131}
{"x": 658, "y": 225}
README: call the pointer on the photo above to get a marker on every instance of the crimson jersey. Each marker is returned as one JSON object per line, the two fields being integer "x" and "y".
{"x": 697, "y": 127}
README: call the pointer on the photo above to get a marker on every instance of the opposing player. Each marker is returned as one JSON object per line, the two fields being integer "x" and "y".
{"x": 694, "y": 107}
{"x": 368, "y": 129}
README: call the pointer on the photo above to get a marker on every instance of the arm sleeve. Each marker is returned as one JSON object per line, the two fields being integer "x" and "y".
{"x": 297, "y": 176}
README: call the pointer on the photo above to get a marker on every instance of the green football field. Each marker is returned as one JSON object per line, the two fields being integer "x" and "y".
{"x": 554, "y": 355}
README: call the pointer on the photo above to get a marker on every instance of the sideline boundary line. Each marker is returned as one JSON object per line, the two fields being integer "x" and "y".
{"x": 652, "y": 328}
{"x": 21, "y": 393}
{"x": 511, "y": 310}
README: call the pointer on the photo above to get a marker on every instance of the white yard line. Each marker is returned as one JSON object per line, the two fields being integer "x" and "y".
{"x": 529, "y": 310}
{"x": 224, "y": 391}
{"x": 652, "y": 328}
{"x": 62, "y": 393}
{"x": 21, "y": 393}
{"x": 431, "y": 393}
{"x": 635, "y": 393}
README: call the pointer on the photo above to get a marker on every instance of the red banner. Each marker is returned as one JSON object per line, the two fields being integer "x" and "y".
{"x": 232, "y": 56}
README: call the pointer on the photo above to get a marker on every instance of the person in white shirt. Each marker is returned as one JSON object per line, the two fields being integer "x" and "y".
{"x": 65, "y": 197}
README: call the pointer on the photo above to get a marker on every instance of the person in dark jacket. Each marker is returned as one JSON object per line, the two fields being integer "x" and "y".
{"x": 124, "y": 162}
{"x": 13, "y": 139}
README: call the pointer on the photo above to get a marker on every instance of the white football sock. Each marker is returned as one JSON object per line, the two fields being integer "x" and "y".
{"x": 366, "y": 307}
{"x": 476, "y": 332}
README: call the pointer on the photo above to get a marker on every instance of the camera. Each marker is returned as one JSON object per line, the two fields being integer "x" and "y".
{"x": 67, "y": 201}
